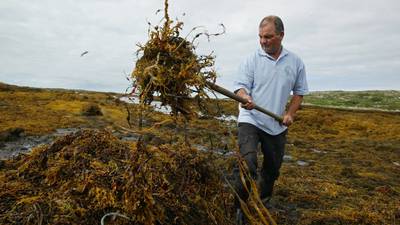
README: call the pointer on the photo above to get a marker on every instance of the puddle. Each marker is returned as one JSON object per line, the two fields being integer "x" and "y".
{"x": 26, "y": 143}
{"x": 22, "y": 145}
{"x": 130, "y": 138}
{"x": 65, "y": 131}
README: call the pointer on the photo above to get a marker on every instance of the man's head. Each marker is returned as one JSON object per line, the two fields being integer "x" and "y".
{"x": 271, "y": 32}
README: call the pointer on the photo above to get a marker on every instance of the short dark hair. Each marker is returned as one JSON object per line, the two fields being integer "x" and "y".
{"x": 277, "y": 22}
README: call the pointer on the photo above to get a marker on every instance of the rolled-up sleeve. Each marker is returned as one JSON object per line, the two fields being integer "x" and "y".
{"x": 301, "y": 86}
{"x": 245, "y": 76}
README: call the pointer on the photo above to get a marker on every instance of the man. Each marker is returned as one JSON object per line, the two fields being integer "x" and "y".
{"x": 267, "y": 78}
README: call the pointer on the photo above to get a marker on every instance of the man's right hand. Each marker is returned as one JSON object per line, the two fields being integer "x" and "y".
{"x": 249, "y": 105}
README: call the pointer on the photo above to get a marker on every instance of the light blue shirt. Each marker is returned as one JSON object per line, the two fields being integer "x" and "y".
{"x": 269, "y": 82}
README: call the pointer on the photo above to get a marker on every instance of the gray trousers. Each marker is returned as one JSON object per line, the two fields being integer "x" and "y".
{"x": 272, "y": 147}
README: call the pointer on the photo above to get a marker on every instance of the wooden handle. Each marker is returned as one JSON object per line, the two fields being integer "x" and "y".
{"x": 233, "y": 96}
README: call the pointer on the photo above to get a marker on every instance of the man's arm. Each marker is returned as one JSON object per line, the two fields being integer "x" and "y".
{"x": 243, "y": 93}
{"x": 294, "y": 105}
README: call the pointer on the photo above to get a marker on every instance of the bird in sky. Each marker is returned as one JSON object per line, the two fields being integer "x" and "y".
{"x": 84, "y": 53}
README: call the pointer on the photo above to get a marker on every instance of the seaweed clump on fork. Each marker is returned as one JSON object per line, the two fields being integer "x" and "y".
{"x": 169, "y": 68}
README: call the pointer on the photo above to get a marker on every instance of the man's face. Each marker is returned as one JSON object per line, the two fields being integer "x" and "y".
{"x": 269, "y": 40}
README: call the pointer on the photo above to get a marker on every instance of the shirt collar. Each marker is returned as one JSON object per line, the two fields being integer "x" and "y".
{"x": 284, "y": 52}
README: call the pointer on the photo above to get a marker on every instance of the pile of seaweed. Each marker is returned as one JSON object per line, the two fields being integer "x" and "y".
{"x": 169, "y": 68}
{"x": 84, "y": 176}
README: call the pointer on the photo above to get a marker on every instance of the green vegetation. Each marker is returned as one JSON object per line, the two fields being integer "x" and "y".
{"x": 386, "y": 100}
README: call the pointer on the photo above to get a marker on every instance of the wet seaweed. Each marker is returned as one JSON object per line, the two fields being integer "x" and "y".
{"x": 169, "y": 68}
{"x": 351, "y": 176}
{"x": 83, "y": 176}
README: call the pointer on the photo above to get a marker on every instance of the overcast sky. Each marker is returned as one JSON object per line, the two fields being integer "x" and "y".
{"x": 345, "y": 45}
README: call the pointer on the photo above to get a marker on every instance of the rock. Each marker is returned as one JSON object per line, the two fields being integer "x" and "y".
{"x": 11, "y": 134}
{"x": 302, "y": 163}
{"x": 92, "y": 110}
{"x": 287, "y": 158}
{"x": 317, "y": 151}
{"x": 349, "y": 172}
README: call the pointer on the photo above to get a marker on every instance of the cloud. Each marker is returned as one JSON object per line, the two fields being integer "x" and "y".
{"x": 339, "y": 41}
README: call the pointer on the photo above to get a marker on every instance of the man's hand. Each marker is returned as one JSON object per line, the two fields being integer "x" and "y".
{"x": 288, "y": 119}
{"x": 250, "y": 104}
{"x": 294, "y": 105}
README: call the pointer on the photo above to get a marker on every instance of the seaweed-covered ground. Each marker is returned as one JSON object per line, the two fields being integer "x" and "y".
{"x": 341, "y": 166}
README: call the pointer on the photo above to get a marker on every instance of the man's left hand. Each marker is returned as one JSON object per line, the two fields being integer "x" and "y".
{"x": 287, "y": 120}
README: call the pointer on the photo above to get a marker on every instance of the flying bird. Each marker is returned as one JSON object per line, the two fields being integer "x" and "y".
{"x": 84, "y": 53}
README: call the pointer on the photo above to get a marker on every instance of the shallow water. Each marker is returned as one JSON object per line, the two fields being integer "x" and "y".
{"x": 22, "y": 145}
{"x": 156, "y": 104}
{"x": 167, "y": 109}
{"x": 25, "y": 144}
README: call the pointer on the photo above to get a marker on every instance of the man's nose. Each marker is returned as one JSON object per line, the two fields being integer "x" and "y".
{"x": 263, "y": 40}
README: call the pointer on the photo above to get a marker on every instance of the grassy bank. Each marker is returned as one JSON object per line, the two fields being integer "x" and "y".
{"x": 387, "y": 100}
